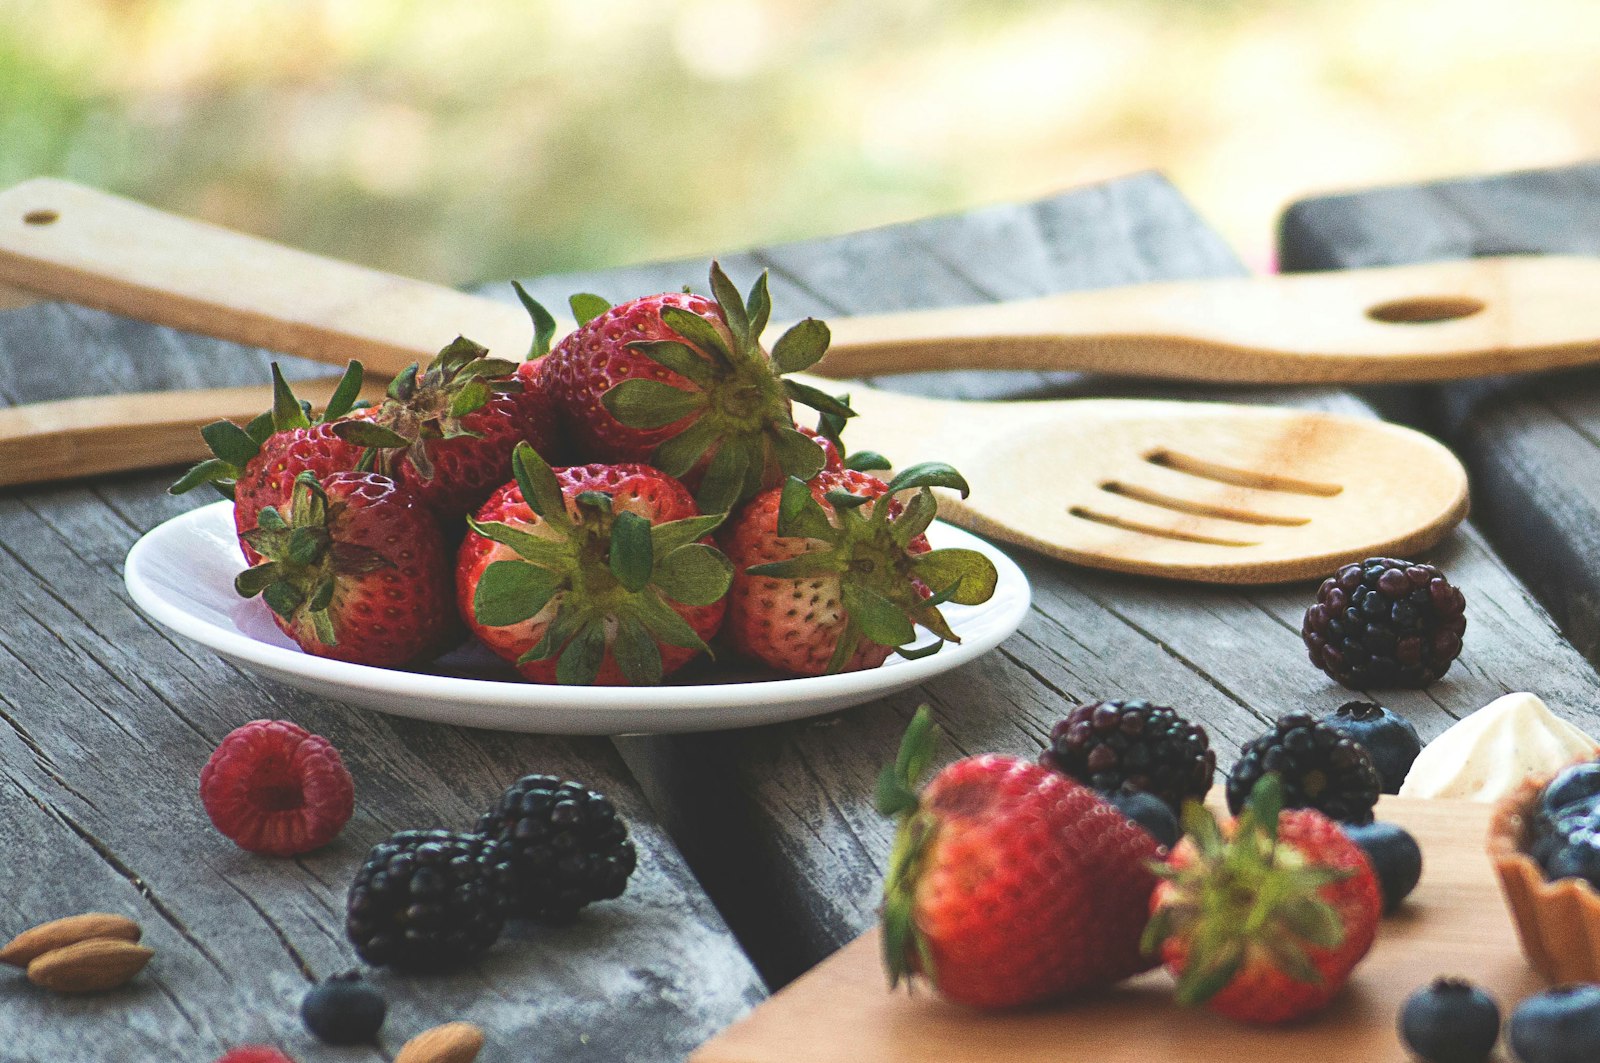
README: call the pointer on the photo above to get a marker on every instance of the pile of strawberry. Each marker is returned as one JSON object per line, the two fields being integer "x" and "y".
{"x": 598, "y": 513}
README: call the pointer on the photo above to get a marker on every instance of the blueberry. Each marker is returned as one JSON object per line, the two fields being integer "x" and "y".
{"x": 1149, "y": 812}
{"x": 1396, "y": 859}
{"x": 1390, "y": 739}
{"x": 1579, "y": 857}
{"x": 1559, "y": 1026}
{"x": 1577, "y": 785}
{"x": 1450, "y": 1021}
{"x": 344, "y": 1010}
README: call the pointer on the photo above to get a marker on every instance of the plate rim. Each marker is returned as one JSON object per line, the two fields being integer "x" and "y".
{"x": 250, "y": 652}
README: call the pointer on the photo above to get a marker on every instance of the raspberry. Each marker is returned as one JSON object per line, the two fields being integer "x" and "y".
{"x": 254, "y": 1054}
{"x": 276, "y": 788}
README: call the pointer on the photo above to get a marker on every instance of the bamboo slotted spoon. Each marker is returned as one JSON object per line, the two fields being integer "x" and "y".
{"x": 1195, "y": 491}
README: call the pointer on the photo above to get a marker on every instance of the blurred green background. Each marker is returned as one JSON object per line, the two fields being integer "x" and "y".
{"x": 487, "y": 138}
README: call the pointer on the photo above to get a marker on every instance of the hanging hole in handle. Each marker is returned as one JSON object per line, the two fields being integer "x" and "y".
{"x": 41, "y": 217}
{"x": 1425, "y": 309}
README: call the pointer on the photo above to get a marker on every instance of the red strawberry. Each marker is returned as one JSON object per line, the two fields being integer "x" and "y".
{"x": 1009, "y": 883}
{"x": 357, "y": 569}
{"x": 682, "y": 382}
{"x": 592, "y": 574}
{"x": 1263, "y": 919}
{"x": 257, "y": 465}
{"x": 275, "y": 788}
{"x": 447, "y": 433}
{"x": 827, "y": 580}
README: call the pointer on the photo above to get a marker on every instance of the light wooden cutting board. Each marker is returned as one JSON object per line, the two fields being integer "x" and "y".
{"x": 1454, "y": 924}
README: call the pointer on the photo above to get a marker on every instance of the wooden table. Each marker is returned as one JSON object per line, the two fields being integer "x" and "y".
{"x": 760, "y": 851}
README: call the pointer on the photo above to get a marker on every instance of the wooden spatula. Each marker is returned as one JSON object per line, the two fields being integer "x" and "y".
{"x": 1216, "y": 493}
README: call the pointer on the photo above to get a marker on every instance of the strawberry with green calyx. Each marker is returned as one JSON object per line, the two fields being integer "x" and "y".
{"x": 1008, "y": 883}
{"x": 447, "y": 432}
{"x": 834, "y": 574}
{"x": 1262, "y": 919}
{"x": 355, "y": 568}
{"x": 681, "y": 381}
{"x": 592, "y": 574}
{"x": 256, "y": 465}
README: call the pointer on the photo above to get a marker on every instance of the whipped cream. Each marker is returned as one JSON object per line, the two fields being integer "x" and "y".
{"x": 1485, "y": 756}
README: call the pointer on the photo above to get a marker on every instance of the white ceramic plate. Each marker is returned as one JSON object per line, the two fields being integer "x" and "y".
{"x": 181, "y": 575}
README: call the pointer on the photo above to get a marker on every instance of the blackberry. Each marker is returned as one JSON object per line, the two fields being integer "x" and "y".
{"x": 1136, "y": 746}
{"x": 428, "y": 898}
{"x": 566, "y": 844}
{"x": 1385, "y": 623}
{"x": 1319, "y": 765}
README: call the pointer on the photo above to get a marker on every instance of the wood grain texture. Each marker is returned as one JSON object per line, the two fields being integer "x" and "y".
{"x": 105, "y": 722}
{"x": 1454, "y": 924}
{"x": 1531, "y": 444}
{"x": 778, "y": 821}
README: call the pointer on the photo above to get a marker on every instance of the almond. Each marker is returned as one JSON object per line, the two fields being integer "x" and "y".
{"x": 89, "y": 966}
{"x": 47, "y": 937}
{"x": 454, "y": 1042}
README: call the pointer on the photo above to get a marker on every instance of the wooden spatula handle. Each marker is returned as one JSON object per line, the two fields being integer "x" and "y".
{"x": 62, "y": 440}
{"x": 1434, "y": 321}
{"x": 65, "y": 241}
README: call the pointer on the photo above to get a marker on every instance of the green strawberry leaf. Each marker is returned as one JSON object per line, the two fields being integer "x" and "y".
{"x": 878, "y": 618}
{"x": 510, "y": 592}
{"x": 260, "y": 427}
{"x": 760, "y": 306}
{"x": 544, "y": 323}
{"x": 472, "y": 396}
{"x": 801, "y": 516}
{"x": 365, "y": 433}
{"x": 560, "y": 631}
{"x": 801, "y": 347}
{"x": 929, "y": 474}
{"x": 844, "y": 646}
{"x": 920, "y": 511}
{"x": 490, "y": 369}
{"x": 646, "y": 404}
{"x": 586, "y": 306}
{"x": 632, "y": 557}
{"x": 801, "y": 566}
{"x": 404, "y": 386}
{"x": 843, "y": 501}
{"x": 817, "y": 399}
{"x": 636, "y": 653}
{"x": 918, "y": 653}
{"x": 284, "y": 598}
{"x": 306, "y": 545}
{"x": 287, "y": 412}
{"x": 322, "y": 627}
{"x": 555, "y": 554}
{"x": 797, "y": 455}
{"x": 724, "y": 478}
{"x": 214, "y": 471}
{"x": 252, "y": 581}
{"x": 973, "y": 575}
{"x": 230, "y": 443}
{"x": 344, "y": 397}
{"x": 540, "y": 488}
{"x": 321, "y": 596}
{"x": 665, "y": 538}
{"x": 733, "y": 309}
{"x": 695, "y": 574}
{"x": 867, "y": 461}
{"x": 270, "y": 518}
{"x": 698, "y": 331}
{"x": 678, "y": 357}
{"x": 580, "y": 662}
{"x": 676, "y": 456}
{"x": 665, "y": 623}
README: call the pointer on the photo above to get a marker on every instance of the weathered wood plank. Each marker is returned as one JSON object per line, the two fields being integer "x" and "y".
{"x": 1530, "y": 442}
{"x": 777, "y": 821}
{"x": 105, "y": 722}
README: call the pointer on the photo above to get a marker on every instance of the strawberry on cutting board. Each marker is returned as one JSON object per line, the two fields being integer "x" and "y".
{"x": 1008, "y": 883}
{"x": 354, "y": 568}
{"x": 592, "y": 574}
{"x": 1263, "y": 918}
{"x": 681, "y": 382}
{"x": 831, "y": 575}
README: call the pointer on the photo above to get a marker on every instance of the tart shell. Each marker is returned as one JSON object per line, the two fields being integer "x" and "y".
{"x": 1558, "y": 922}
